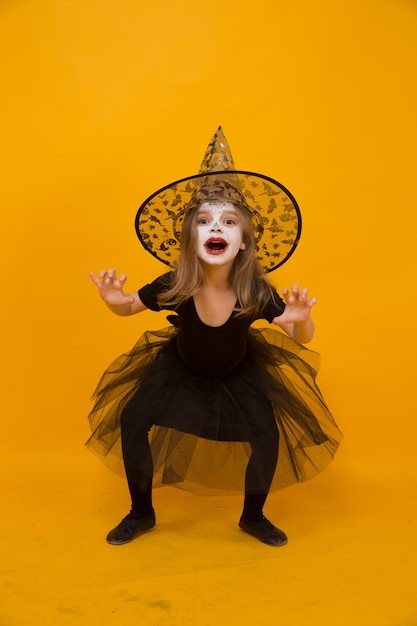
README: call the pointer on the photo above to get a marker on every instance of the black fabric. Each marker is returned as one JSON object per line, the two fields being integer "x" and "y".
{"x": 213, "y": 428}
{"x": 150, "y": 292}
{"x": 208, "y": 350}
{"x": 138, "y": 460}
{"x": 253, "y": 506}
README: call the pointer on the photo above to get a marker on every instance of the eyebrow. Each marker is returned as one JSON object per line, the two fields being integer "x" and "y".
{"x": 207, "y": 211}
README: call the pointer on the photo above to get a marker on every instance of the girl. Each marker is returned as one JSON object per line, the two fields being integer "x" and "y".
{"x": 210, "y": 400}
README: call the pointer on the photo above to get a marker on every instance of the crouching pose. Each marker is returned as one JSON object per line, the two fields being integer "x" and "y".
{"x": 212, "y": 403}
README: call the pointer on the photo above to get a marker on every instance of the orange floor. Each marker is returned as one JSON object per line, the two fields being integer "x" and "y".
{"x": 350, "y": 560}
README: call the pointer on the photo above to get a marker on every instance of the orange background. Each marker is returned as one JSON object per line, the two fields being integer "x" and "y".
{"x": 105, "y": 102}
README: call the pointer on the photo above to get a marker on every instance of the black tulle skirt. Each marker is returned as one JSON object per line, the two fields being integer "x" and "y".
{"x": 200, "y": 427}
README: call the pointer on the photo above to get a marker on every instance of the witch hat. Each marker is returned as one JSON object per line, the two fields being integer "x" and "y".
{"x": 273, "y": 208}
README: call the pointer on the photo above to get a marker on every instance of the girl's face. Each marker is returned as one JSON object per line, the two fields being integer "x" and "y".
{"x": 219, "y": 233}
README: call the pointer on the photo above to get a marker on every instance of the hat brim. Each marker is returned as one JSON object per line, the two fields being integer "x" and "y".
{"x": 274, "y": 211}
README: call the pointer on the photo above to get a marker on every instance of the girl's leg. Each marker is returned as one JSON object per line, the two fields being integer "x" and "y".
{"x": 259, "y": 474}
{"x": 138, "y": 463}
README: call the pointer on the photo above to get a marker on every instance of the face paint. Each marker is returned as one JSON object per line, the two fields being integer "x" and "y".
{"x": 219, "y": 233}
{"x": 217, "y": 208}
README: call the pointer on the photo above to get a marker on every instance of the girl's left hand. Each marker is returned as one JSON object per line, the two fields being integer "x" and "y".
{"x": 297, "y": 306}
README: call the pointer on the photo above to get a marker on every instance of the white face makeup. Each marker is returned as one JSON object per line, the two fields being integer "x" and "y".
{"x": 219, "y": 233}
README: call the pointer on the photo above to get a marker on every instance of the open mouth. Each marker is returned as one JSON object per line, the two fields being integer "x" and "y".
{"x": 215, "y": 245}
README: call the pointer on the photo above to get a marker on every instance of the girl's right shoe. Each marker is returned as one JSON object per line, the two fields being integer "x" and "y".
{"x": 129, "y": 528}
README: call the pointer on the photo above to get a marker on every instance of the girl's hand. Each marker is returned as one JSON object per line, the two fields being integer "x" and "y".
{"x": 110, "y": 288}
{"x": 297, "y": 306}
{"x": 296, "y": 320}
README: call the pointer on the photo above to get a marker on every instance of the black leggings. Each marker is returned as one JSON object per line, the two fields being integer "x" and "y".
{"x": 139, "y": 465}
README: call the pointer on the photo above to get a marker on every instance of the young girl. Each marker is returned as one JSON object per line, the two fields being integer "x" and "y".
{"x": 211, "y": 401}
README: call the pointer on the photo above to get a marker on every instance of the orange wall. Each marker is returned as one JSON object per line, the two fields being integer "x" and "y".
{"x": 103, "y": 102}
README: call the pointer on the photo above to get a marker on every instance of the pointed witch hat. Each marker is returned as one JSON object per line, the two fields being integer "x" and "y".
{"x": 273, "y": 209}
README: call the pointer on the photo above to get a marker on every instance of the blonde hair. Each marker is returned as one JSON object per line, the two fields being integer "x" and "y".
{"x": 247, "y": 276}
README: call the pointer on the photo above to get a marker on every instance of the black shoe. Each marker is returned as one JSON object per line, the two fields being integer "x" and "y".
{"x": 265, "y": 532}
{"x": 128, "y": 528}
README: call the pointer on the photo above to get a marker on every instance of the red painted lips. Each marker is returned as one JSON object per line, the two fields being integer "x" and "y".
{"x": 215, "y": 245}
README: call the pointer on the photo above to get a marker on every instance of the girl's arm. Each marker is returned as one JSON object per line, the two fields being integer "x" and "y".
{"x": 111, "y": 291}
{"x": 296, "y": 320}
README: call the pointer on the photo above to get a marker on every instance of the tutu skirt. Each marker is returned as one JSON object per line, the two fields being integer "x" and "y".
{"x": 200, "y": 426}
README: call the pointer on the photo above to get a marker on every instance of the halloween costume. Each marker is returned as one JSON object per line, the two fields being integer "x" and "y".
{"x": 208, "y": 408}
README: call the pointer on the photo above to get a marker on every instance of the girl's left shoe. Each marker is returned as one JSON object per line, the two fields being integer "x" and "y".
{"x": 265, "y": 531}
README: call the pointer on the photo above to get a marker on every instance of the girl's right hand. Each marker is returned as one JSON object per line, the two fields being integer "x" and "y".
{"x": 111, "y": 288}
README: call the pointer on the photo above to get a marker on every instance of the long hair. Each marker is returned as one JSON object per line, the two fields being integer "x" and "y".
{"x": 247, "y": 276}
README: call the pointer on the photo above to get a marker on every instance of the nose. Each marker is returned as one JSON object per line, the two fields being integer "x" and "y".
{"x": 216, "y": 226}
